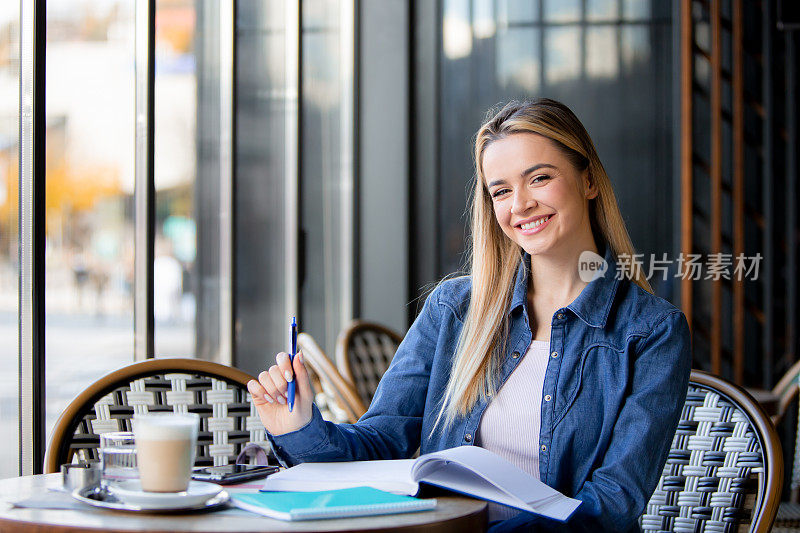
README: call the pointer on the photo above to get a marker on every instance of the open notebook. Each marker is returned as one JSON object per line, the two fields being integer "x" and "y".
{"x": 467, "y": 469}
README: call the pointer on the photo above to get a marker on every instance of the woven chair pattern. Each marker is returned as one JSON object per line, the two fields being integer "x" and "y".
{"x": 710, "y": 480}
{"x": 228, "y": 420}
{"x": 370, "y": 356}
{"x": 363, "y": 354}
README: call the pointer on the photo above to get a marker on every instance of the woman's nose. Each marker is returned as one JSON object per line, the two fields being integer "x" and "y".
{"x": 523, "y": 201}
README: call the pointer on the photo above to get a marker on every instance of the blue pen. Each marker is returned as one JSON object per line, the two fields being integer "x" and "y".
{"x": 290, "y": 392}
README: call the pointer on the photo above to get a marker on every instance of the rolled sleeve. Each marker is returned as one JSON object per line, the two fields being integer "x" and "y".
{"x": 391, "y": 428}
{"x": 290, "y": 448}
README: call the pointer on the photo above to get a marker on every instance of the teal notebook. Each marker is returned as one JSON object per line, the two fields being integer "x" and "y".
{"x": 358, "y": 501}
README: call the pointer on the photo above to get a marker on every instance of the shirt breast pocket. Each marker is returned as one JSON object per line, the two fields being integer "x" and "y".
{"x": 593, "y": 388}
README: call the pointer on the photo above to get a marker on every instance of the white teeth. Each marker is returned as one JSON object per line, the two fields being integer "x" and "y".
{"x": 538, "y": 222}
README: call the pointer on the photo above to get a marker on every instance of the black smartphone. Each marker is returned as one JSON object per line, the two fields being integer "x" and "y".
{"x": 230, "y": 474}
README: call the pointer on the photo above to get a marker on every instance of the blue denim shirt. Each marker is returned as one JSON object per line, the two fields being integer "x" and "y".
{"x": 618, "y": 372}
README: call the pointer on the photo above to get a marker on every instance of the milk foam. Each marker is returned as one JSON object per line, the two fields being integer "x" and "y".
{"x": 164, "y": 427}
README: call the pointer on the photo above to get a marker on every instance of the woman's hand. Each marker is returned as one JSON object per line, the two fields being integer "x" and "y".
{"x": 269, "y": 395}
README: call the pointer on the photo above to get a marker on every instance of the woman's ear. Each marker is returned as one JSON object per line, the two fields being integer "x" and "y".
{"x": 589, "y": 185}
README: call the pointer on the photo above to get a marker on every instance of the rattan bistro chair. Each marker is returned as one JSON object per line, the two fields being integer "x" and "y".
{"x": 725, "y": 468}
{"x": 217, "y": 393}
{"x": 364, "y": 351}
{"x": 335, "y": 397}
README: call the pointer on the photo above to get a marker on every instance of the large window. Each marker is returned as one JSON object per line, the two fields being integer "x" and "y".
{"x": 293, "y": 222}
{"x": 203, "y": 254}
{"x": 326, "y": 187}
{"x": 176, "y": 169}
{"x": 609, "y": 60}
{"x": 89, "y": 186}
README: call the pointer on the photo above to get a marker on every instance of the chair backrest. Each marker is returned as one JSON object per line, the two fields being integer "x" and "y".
{"x": 364, "y": 351}
{"x": 725, "y": 468}
{"x": 786, "y": 391}
{"x": 228, "y": 420}
{"x": 336, "y": 398}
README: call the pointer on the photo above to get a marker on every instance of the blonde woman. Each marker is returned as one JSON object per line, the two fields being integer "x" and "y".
{"x": 574, "y": 372}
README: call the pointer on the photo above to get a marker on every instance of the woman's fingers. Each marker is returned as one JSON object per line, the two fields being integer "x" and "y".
{"x": 258, "y": 393}
{"x": 285, "y": 365}
{"x": 272, "y": 385}
{"x": 271, "y": 392}
{"x": 301, "y": 375}
{"x": 279, "y": 381}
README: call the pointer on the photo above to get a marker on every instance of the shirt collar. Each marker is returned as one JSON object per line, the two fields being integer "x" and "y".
{"x": 592, "y": 305}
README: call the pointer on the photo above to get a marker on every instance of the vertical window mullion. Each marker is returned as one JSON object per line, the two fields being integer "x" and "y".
{"x": 226, "y": 179}
{"x": 32, "y": 236}
{"x": 348, "y": 77}
{"x": 291, "y": 165}
{"x": 144, "y": 189}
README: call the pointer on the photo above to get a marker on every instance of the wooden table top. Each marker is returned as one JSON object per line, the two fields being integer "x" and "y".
{"x": 453, "y": 514}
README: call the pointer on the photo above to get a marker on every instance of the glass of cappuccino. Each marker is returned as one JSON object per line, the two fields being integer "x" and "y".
{"x": 165, "y": 449}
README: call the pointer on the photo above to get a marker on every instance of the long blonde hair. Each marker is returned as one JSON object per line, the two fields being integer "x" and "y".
{"x": 494, "y": 258}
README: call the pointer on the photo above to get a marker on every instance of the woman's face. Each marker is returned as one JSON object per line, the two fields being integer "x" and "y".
{"x": 540, "y": 199}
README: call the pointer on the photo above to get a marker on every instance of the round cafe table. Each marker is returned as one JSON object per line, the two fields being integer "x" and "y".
{"x": 452, "y": 514}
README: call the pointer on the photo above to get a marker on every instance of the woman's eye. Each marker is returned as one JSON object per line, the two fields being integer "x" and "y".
{"x": 540, "y": 179}
{"x": 499, "y": 192}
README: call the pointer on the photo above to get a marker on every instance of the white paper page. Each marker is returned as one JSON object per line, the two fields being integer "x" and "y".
{"x": 391, "y": 475}
{"x": 459, "y": 479}
{"x": 509, "y": 479}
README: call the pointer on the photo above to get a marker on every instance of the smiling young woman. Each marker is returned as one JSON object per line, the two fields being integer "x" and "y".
{"x": 579, "y": 383}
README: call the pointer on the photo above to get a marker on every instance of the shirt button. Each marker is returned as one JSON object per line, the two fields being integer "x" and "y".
{"x": 468, "y": 438}
{"x": 544, "y": 448}
{"x": 554, "y": 355}
{"x": 548, "y": 398}
{"x": 560, "y": 316}
{"x": 515, "y": 355}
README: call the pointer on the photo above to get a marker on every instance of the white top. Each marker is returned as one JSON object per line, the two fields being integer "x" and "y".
{"x": 510, "y": 424}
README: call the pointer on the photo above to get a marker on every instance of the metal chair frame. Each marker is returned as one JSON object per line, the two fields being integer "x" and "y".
{"x": 334, "y": 392}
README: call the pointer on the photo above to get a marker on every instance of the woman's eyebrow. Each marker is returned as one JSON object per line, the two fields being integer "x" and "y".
{"x": 524, "y": 173}
{"x": 534, "y": 168}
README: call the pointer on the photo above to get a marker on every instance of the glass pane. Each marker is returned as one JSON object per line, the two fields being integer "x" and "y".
{"x": 517, "y": 11}
{"x": 483, "y": 19}
{"x": 601, "y": 10}
{"x": 636, "y": 9}
{"x": 562, "y": 54}
{"x": 322, "y": 194}
{"x": 174, "y": 269}
{"x": 602, "y": 56}
{"x": 456, "y": 33}
{"x": 9, "y": 239}
{"x": 517, "y": 60}
{"x": 623, "y": 99}
{"x": 562, "y": 10}
{"x": 90, "y": 154}
{"x": 635, "y": 46}
{"x": 260, "y": 206}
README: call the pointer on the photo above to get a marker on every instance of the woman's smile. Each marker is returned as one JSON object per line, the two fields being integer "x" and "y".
{"x": 533, "y": 225}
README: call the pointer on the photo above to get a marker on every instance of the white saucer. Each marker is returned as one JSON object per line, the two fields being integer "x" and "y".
{"x": 130, "y": 492}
